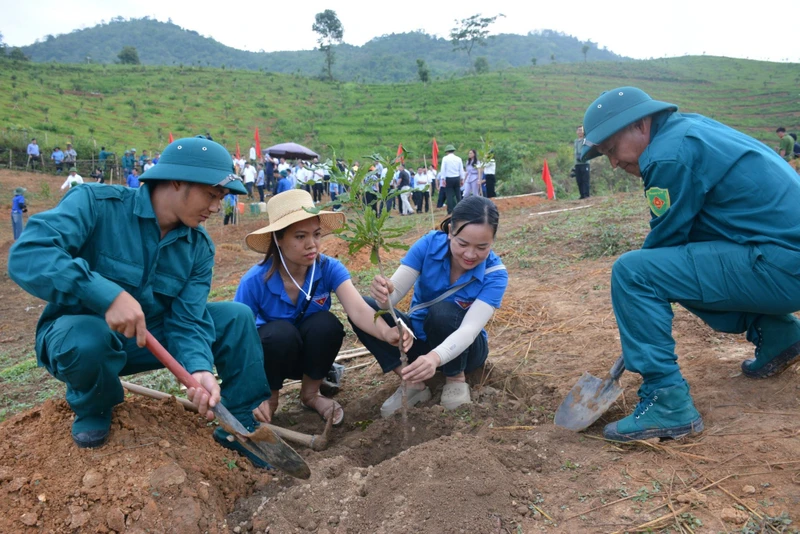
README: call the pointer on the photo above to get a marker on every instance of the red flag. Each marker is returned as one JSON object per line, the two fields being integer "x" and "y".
{"x": 435, "y": 158}
{"x": 551, "y": 194}
{"x": 400, "y": 156}
{"x": 238, "y": 154}
{"x": 258, "y": 145}
{"x": 171, "y": 139}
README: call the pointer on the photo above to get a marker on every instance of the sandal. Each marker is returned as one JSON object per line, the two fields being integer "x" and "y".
{"x": 338, "y": 411}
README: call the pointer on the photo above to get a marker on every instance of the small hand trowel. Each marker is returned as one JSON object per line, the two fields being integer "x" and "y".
{"x": 590, "y": 398}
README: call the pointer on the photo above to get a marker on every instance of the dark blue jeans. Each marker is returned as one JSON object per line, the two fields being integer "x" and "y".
{"x": 443, "y": 319}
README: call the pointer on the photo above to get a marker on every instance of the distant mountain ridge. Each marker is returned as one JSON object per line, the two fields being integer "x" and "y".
{"x": 386, "y": 59}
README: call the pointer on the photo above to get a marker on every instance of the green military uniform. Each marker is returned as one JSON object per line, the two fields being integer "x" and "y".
{"x": 724, "y": 243}
{"x": 787, "y": 146}
{"x": 102, "y": 240}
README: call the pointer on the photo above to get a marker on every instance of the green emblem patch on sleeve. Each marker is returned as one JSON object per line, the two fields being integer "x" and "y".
{"x": 658, "y": 199}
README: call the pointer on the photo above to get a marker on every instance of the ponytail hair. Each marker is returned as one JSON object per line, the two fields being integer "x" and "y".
{"x": 471, "y": 210}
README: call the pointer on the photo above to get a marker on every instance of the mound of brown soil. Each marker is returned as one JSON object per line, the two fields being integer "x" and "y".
{"x": 160, "y": 472}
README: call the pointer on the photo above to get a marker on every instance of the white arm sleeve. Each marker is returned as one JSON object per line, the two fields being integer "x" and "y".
{"x": 403, "y": 280}
{"x": 476, "y": 318}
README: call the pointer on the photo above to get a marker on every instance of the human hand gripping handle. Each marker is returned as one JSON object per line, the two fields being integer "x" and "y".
{"x": 203, "y": 389}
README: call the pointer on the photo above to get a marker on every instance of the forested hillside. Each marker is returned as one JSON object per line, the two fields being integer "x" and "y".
{"x": 386, "y": 59}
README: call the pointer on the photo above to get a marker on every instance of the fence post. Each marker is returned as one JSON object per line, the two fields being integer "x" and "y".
{"x": 9, "y": 158}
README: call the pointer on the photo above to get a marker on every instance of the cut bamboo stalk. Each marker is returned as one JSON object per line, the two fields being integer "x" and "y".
{"x": 561, "y": 210}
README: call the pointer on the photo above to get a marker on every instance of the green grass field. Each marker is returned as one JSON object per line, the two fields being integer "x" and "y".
{"x": 536, "y": 108}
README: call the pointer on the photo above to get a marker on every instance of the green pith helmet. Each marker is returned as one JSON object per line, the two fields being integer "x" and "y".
{"x": 613, "y": 111}
{"x": 197, "y": 160}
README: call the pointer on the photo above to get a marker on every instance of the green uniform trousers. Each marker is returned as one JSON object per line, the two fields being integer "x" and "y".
{"x": 83, "y": 352}
{"x": 727, "y": 285}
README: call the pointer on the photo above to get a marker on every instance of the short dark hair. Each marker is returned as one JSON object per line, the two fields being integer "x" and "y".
{"x": 472, "y": 210}
{"x": 780, "y": 129}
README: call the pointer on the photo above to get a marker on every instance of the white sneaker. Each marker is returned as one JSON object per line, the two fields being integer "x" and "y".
{"x": 454, "y": 394}
{"x": 395, "y": 402}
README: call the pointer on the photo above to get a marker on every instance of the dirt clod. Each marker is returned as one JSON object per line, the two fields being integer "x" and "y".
{"x": 92, "y": 478}
{"x": 115, "y": 519}
{"x": 732, "y": 515}
{"x": 29, "y": 519}
{"x": 167, "y": 475}
{"x": 692, "y": 497}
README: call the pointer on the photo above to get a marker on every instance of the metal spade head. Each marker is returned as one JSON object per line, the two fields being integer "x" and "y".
{"x": 589, "y": 399}
{"x": 265, "y": 444}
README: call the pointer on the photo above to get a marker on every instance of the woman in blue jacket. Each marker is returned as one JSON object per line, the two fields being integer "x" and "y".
{"x": 290, "y": 294}
{"x": 458, "y": 284}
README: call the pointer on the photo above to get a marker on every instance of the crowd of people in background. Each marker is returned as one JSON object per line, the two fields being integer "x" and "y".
{"x": 411, "y": 191}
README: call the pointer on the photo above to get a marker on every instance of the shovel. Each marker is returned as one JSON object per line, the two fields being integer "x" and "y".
{"x": 590, "y": 398}
{"x": 263, "y": 443}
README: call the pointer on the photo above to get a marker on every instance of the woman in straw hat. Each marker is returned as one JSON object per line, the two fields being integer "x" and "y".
{"x": 290, "y": 294}
{"x": 458, "y": 283}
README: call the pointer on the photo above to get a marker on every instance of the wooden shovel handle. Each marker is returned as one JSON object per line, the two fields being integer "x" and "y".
{"x": 170, "y": 363}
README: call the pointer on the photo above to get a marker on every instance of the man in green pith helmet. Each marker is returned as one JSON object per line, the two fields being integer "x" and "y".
{"x": 724, "y": 243}
{"x": 113, "y": 262}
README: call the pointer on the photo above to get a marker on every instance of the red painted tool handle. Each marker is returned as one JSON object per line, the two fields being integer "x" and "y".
{"x": 170, "y": 363}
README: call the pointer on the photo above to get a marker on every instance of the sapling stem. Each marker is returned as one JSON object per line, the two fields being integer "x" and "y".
{"x": 403, "y": 355}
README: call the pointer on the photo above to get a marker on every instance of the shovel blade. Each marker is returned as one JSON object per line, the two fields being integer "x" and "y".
{"x": 265, "y": 444}
{"x": 589, "y": 398}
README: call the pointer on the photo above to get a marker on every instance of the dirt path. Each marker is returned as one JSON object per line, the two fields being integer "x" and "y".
{"x": 498, "y": 466}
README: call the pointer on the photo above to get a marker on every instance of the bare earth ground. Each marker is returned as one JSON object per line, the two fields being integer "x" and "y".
{"x": 498, "y": 466}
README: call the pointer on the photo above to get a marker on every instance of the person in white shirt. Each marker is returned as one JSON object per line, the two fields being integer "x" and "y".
{"x": 148, "y": 164}
{"x": 73, "y": 178}
{"x": 249, "y": 174}
{"x": 240, "y": 164}
{"x": 253, "y": 154}
{"x": 487, "y": 176}
{"x": 453, "y": 172}
{"x": 404, "y": 185}
{"x": 422, "y": 193}
{"x": 318, "y": 176}
{"x": 303, "y": 175}
{"x": 283, "y": 166}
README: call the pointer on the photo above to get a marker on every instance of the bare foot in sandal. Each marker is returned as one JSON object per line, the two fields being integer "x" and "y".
{"x": 323, "y": 406}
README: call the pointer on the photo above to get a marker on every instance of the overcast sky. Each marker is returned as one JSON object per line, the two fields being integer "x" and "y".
{"x": 638, "y": 29}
